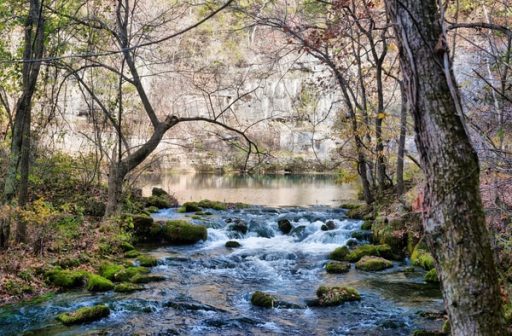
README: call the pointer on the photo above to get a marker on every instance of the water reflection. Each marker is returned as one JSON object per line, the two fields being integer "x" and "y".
{"x": 270, "y": 190}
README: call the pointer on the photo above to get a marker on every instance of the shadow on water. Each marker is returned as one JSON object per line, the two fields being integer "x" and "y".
{"x": 207, "y": 288}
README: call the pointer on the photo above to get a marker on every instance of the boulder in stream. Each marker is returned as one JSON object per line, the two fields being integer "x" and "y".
{"x": 340, "y": 253}
{"x": 336, "y": 267}
{"x": 238, "y": 225}
{"x": 232, "y": 244}
{"x": 328, "y": 226}
{"x": 336, "y": 295}
{"x": 373, "y": 264}
{"x": 84, "y": 315}
{"x": 284, "y": 226}
{"x": 263, "y": 300}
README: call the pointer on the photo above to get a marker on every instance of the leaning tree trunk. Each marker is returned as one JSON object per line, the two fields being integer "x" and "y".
{"x": 121, "y": 169}
{"x": 453, "y": 220}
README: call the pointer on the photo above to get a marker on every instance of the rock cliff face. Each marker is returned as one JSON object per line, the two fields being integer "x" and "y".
{"x": 274, "y": 95}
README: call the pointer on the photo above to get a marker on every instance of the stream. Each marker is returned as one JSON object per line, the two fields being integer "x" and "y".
{"x": 208, "y": 286}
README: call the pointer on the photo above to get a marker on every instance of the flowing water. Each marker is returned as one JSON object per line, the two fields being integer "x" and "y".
{"x": 207, "y": 288}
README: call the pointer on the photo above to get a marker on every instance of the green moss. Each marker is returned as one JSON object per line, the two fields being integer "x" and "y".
{"x": 126, "y": 274}
{"x": 181, "y": 209}
{"x": 337, "y": 267}
{"x": 65, "y": 278}
{"x": 207, "y": 204}
{"x": 132, "y": 254}
{"x": 367, "y": 225}
{"x": 183, "y": 232}
{"x": 431, "y": 276}
{"x": 446, "y": 328}
{"x": 97, "y": 283}
{"x": 84, "y": 315}
{"x": 422, "y": 258}
{"x": 350, "y": 206}
{"x": 339, "y": 253}
{"x": 232, "y": 244}
{"x": 191, "y": 207}
{"x": 335, "y": 295}
{"x": 145, "y": 278}
{"x": 373, "y": 264}
{"x": 160, "y": 202}
{"x": 369, "y": 250}
{"x": 428, "y": 333}
{"x": 127, "y": 287}
{"x": 359, "y": 212}
{"x": 147, "y": 261}
{"x": 109, "y": 270}
{"x": 262, "y": 299}
{"x": 409, "y": 269}
{"x": 196, "y": 217}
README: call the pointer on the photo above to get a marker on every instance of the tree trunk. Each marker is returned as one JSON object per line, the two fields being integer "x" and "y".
{"x": 120, "y": 170}
{"x": 19, "y": 159}
{"x": 453, "y": 217}
{"x": 401, "y": 142}
{"x": 379, "y": 146}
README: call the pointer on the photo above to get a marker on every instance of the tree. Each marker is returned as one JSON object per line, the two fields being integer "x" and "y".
{"x": 453, "y": 217}
{"x": 19, "y": 159}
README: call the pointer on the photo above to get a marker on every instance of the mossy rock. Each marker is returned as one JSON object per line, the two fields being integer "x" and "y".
{"x": 232, "y": 244}
{"x": 109, "y": 270}
{"x": 340, "y": 253}
{"x": 337, "y": 267}
{"x": 367, "y": 225}
{"x": 328, "y": 226}
{"x": 373, "y": 264}
{"x": 160, "y": 202}
{"x": 127, "y": 287}
{"x": 132, "y": 254}
{"x": 431, "y": 276}
{"x": 84, "y": 315}
{"x": 146, "y": 278}
{"x": 208, "y": 204}
{"x": 262, "y": 299}
{"x": 65, "y": 278}
{"x": 422, "y": 258}
{"x": 182, "y": 232}
{"x": 191, "y": 207}
{"x": 97, "y": 283}
{"x": 336, "y": 295}
{"x": 369, "y": 250}
{"x": 391, "y": 232}
{"x": 147, "y": 261}
{"x": 446, "y": 328}
{"x": 69, "y": 262}
{"x": 128, "y": 273}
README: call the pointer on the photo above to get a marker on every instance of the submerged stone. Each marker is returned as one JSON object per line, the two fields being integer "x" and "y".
{"x": 232, "y": 244}
{"x": 373, "y": 264}
{"x": 335, "y": 295}
{"x": 84, "y": 315}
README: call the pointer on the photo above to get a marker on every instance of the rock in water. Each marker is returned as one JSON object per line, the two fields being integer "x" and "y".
{"x": 335, "y": 295}
{"x": 84, "y": 315}
{"x": 284, "y": 226}
{"x": 328, "y": 226}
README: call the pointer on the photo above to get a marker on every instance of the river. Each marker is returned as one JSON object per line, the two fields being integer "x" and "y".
{"x": 207, "y": 288}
